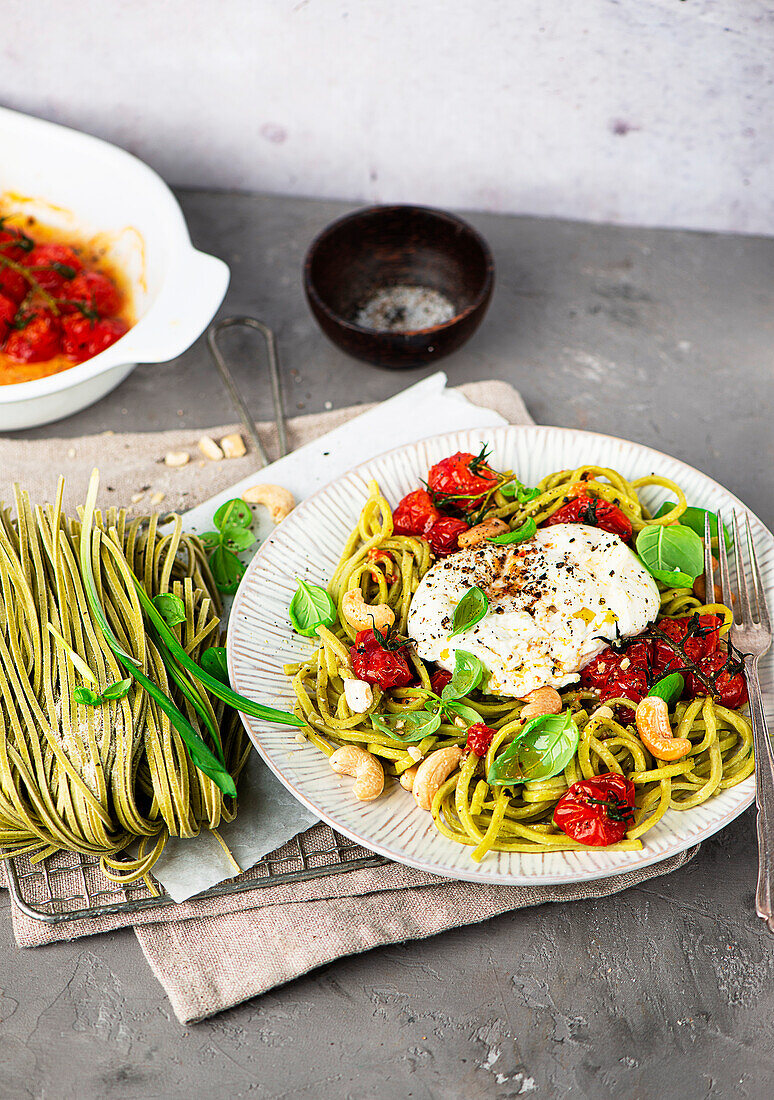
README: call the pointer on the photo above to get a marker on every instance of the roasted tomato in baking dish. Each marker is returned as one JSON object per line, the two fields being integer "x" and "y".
{"x": 57, "y": 307}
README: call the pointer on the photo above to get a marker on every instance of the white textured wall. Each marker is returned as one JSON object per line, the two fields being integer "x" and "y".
{"x": 657, "y": 112}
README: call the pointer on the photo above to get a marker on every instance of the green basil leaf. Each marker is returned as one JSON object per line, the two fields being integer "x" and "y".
{"x": 515, "y": 489}
{"x": 213, "y": 660}
{"x": 234, "y": 513}
{"x": 543, "y": 749}
{"x": 676, "y": 553}
{"x": 227, "y": 570}
{"x": 211, "y": 539}
{"x": 311, "y": 607}
{"x": 238, "y": 538}
{"x": 468, "y": 671}
{"x": 415, "y": 725}
{"x": 669, "y": 688}
{"x": 87, "y": 697}
{"x": 461, "y": 710}
{"x": 117, "y": 691}
{"x": 694, "y": 518}
{"x": 526, "y": 531}
{"x": 170, "y": 607}
{"x": 469, "y": 611}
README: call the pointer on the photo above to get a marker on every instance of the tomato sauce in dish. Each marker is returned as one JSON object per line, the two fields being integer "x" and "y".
{"x": 61, "y": 301}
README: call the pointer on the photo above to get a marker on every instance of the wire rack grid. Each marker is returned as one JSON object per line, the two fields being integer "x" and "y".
{"x": 68, "y": 886}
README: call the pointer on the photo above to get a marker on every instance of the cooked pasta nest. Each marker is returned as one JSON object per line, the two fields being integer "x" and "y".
{"x": 466, "y": 808}
{"x": 96, "y": 779}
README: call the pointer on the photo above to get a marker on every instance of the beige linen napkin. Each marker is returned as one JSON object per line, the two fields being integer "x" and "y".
{"x": 273, "y": 933}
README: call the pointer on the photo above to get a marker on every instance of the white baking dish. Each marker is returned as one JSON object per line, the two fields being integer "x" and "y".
{"x": 75, "y": 181}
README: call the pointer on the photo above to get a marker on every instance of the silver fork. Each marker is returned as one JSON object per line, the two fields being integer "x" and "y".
{"x": 751, "y": 634}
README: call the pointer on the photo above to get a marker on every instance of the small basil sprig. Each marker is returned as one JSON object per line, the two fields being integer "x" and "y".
{"x": 232, "y": 535}
{"x": 541, "y": 750}
{"x": 112, "y": 693}
{"x": 526, "y": 531}
{"x": 469, "y": 611}
{"x": 673, "y": 555}
{"x": 415, "y": 725}
{"x": 514, "y": 489}
{"x": 311, "y": 607}
{"x": 669, "y": 688}
{"x": 170, "y": 607}
{"x": 694, "y": 518}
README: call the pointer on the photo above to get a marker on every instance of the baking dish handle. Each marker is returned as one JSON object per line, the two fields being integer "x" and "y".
{"x": 185, "y": 306}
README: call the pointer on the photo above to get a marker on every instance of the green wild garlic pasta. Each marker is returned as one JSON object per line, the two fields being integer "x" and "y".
{"x": 383, "y": 567}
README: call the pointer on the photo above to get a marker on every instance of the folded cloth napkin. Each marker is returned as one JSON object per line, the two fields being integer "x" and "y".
{"x": 279, "y": 932}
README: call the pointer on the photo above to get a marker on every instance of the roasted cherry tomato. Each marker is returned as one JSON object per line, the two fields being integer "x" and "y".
{"x": 597, "y": 811}
{"x": 439, "y": 680}
{"x": 730, "y": 685}
{"x": 594, "y": 512}
{"x": 96, "y": 291}
{"x": 698, "y": 635}
{"x": 38, "y": 340}
{"x": 462, "y": 480}
{"x": 625, "y": 675}
{"x": 479, "y": 738}
{"x": 13, "y": 285}
{"x": 83, "y": 338}
{"x": 443, "y": 536}
{"x": 373, "y": 663}
{"x": 9, "y": 247}
{"x": 53, "y": 266}
{"x": 7, "y": 314}
{"x": 415, "y": 514}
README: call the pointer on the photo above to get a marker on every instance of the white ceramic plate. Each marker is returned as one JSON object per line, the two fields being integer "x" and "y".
{"x": 308, "y": 544}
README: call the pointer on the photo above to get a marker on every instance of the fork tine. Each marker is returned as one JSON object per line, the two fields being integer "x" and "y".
{"x": 725, "y": 583}
{"x": 760, "y": 595}
{"x": 709, "y": 568}
{"x": 741, "y": 574}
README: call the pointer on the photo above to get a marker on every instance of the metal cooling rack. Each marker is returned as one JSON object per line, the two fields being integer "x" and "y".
{"x": 67, "y": 886}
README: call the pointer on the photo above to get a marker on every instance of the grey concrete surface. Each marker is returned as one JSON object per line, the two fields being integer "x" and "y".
{"x": 665, "y": 991}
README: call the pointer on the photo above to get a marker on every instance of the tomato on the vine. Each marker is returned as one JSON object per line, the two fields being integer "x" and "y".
{"x": 94, "y": 290}
{"x": 7, "y": 314}
{"x": 53, "y": 266}
{"x": 415, "y": 514}
{"x": 597, "y": 811}
{"x": 462, "y": 480}
{"x": 595, "y": 513}
{"x": 444, "y": 535}
{"x": 698, "y": 635}
{"x": 625, "y": 675}
{"x": 37, "y": 340}
{"x": 83, "y": 338}
{"x": 727, "y": 678}
{"x": 376, "y": 664}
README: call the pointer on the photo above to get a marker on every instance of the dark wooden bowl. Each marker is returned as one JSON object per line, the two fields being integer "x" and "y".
{"x": 384, "y": 247}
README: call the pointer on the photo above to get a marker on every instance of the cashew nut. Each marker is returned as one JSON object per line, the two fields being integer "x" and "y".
{"x": 233, "y": 446}
{"x": 359, "y": 695}
{"x": 482, "y": 531}
{"x": 652, "y": 718}
{"x": 363, "y": 765}
{"x": 432, "y": 772}
{"x": 545, "y": 700}
{"x": 279, "y": 501}
{"x": 363, "y": 616}
{"x": 210, "y": 449}
{"x": 407, "y": 778}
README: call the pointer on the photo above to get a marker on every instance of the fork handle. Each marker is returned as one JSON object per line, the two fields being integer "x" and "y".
{"x": 764, "y": 791}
